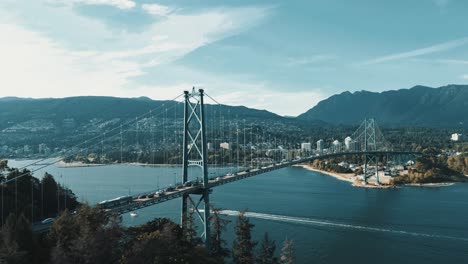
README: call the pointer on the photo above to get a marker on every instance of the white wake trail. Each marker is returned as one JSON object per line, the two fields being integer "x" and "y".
{"x": 310, "y": 221}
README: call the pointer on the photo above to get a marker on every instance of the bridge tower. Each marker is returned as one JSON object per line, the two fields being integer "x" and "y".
{"x": 369, "y": 139}
{"x": 195, "y": 154}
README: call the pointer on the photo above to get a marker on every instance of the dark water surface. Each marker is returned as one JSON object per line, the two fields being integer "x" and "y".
{"x": 329, "y": 220}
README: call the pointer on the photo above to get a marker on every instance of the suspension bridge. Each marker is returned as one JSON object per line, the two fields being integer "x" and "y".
{"x": 367, "y": 141}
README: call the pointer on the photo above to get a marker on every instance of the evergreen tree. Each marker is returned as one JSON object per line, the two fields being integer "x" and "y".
{"x": 243, "y": 246}
{"x": 16, "y": 240}
{"x": 190, "y": 231}
{"x": 287, "y": 252}
{"x": 90, "y": 236}
{"x": 267, "y": 251}
{"x": 218, "y": 226}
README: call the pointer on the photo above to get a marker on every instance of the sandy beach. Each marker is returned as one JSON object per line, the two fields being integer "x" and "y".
{"x": 348, "y": 177}
{"x": 63, "y": 164}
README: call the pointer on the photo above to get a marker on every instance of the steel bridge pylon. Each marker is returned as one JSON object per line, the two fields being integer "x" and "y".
{"x": 369, "y": 138}
{"x": 195, "y": 154}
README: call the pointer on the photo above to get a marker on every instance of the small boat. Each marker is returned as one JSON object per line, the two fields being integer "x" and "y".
{"x": 133, "y": 214}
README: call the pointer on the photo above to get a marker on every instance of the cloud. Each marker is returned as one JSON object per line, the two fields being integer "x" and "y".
{"x": 42, "y": 64}
{"x": 419, "y": 52}
{"x": 157, "y": 10}
{"x": 247, "y": 90}
{"x": 122, "y": 4}
{"x": 282, "y": 103}
{"x": 465, "y": 76}
{"x": 35, "y": 66}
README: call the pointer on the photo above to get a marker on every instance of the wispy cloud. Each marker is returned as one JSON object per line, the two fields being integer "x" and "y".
{"x": 157, "y": 10}
{"x": 56, "y": 69}
{"x": 121, "y": 4}
{"x": 465, "y": 76}
{"x": 419, "y": 52}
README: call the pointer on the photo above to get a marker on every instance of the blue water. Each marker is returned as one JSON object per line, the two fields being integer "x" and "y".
{"x": 329, "y": 220}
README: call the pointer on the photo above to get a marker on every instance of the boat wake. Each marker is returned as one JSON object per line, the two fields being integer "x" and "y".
{"x": 316, "y": 222}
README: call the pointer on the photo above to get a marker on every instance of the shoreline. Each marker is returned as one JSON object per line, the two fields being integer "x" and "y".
{"x": 62, "y": 164}
{"x": 439, "y": 184}
{"x": 346, "y": 178}
{"x": 75, "y": 164}
{"x": 355, "y": 183}
{"x": 332, "y": 174}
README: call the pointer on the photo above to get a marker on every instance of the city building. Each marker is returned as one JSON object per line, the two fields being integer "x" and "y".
{"x": 457, "y": 137}
{"x": 347, "y": 143}
{"x": 306, "y": 147}
{"x": 337, "y": 146}
{"x": 320, "y": 145}
{"x": 225, "y": 145}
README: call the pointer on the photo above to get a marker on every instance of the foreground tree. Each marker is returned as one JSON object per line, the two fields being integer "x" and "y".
{"x": 16, "y": 240}
{"x": 218, "y": 244}
{"x": 243, "y": 246}
{"x": 90, "y": 236}
{"x": 267, "y": 251}
{"x": 161, "y": 241}
{"x": 287, "y": 252}
{"x": 190, "y": 231}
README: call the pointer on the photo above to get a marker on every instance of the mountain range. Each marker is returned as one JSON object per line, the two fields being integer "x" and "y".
{"x": 445, "y": 106}
{"x": 418, "y": 106}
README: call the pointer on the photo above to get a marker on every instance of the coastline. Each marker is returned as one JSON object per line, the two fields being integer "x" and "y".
{"x": 77, "y": 164}
{"x": 62, "y": 164}
{"x": 337, "y": 176}
{"x": 348, "y": 178}
{"x": 440, "y": 184}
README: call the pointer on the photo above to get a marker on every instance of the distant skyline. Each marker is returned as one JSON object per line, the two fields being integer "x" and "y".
{"x": 282, "y": 56}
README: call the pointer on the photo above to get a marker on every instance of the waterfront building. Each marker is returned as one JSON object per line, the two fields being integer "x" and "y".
{"x": 457, "y": 137}
{"x": 337, "y": 146}
{"x": 306, "y": 147}
{"x": 225, "y": 145}
{"x": 347, "y": 143}
{"x": 320, "y": 145}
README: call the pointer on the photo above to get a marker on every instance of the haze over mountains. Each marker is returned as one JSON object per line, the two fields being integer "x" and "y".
{"x": 419, "y": 106}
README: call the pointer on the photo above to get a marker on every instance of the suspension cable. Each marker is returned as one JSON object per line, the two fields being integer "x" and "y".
{"x": 98, "y": 136}
{"x": 58, "y": 159}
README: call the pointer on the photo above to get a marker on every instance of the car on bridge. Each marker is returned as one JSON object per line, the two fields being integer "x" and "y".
{"x": 188, "y": 184}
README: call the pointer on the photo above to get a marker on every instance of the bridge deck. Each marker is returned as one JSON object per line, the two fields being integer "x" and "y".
{"x": 137, "y": 203}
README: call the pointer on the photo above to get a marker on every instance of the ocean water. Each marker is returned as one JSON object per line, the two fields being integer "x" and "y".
{"x": 329, "y": 220}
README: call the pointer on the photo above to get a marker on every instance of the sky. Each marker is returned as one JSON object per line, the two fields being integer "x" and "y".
{"x": 282, "y": 56}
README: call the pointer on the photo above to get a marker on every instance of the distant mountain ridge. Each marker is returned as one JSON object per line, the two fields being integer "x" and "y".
{"x": 15, "y": 110}
{"x": 445, "y": 106}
